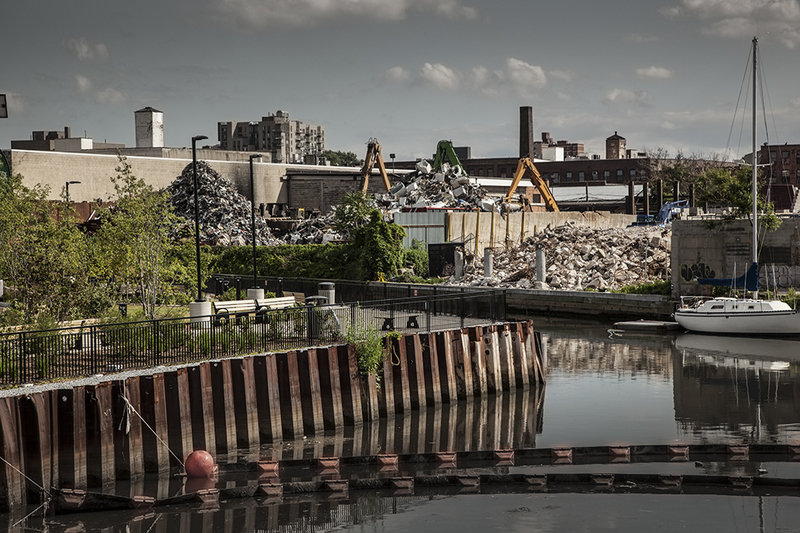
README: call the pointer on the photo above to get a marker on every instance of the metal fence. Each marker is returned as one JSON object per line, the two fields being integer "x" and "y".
{"x": 28, "y": 356}
{"x": 346, "y": 290}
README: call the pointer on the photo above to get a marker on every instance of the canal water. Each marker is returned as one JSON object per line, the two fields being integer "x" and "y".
{"x": 602, "y": 389}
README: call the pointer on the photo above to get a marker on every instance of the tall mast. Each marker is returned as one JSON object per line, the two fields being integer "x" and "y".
{"x": 755, "y": 157}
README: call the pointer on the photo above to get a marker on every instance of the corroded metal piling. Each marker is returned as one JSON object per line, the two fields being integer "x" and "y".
{"x": 90, "y": 436}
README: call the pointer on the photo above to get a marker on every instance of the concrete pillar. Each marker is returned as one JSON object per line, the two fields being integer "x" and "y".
{"x": 540, "y": 265}
{"x": 676, "y": 191}
{"x": 659, "y": 193}
{"x": 631, "y": 209}
{"x": 255, "y": 294}
{"x": 646, "y": 198}
{"x": 526, "y": 131}
{"x": 459, "y": 266}
{"x": 200, "y": 311}
{"x": 488, "y": 259}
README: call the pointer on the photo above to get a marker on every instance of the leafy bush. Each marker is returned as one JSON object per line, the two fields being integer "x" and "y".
{"x": 657, "y": 287}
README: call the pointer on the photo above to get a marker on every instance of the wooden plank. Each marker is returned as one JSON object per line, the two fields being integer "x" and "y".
{"x": 248, "y": 389}
{"x": 184, "y": 409}
{"x": 134, "y": 441}
{"x": 207, "y": 407}
{"x": 433, "y": 385}
{"x": 105, "y": 411}
{"x": 11, "y": 481}
{"x": 416, "y": 364}
{"x": 41, "y": 403}
{"x": 274, "y": 398}
{"x": 160, "y": 423}
{"x": 228, "y": 414}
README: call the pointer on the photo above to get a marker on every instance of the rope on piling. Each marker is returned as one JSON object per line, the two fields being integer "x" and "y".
{"x": 132, "y": 409}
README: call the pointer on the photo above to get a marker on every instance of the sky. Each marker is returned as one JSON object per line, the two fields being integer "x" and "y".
{"x": 665, "y": 74}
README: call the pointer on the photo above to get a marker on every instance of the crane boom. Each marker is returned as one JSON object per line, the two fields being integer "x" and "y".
{"x": 526, "y": 166}
{"x": 373, "y": 156}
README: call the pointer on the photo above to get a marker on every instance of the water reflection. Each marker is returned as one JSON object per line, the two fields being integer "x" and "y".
{"x": 600, "y": 391}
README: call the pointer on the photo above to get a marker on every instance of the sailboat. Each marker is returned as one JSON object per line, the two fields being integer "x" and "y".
{"x": 741, "y": 316}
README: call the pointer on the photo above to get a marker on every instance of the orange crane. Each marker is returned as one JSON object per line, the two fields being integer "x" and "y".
{"x": 373, "y": 156}
{"x": 524, "y": 167}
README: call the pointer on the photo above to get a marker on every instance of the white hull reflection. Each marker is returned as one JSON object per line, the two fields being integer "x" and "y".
{"x": 765, "y": 354}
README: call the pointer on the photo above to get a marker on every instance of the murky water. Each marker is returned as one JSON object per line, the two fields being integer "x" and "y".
{"x": 632, "y": 390}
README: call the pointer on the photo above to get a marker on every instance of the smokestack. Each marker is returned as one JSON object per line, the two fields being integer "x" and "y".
{"x": 526, "y": 131}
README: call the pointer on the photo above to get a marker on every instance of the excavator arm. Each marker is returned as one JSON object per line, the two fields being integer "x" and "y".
{"x": 446, "y": 153}
{"x": 373, "y": 156}
{"x": 524, "y": 167}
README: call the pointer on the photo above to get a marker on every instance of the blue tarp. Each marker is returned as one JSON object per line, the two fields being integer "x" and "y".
{"x": 748, "y": 281}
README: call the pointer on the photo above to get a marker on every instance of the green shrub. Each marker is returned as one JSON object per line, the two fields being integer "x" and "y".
{"x": 656, "y": 287}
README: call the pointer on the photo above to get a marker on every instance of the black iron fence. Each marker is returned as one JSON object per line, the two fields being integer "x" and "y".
{"x": 28, "y": 356}
{"x": 346, "y": 290}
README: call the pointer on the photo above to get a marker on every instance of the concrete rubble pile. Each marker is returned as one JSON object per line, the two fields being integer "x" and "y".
{"x": 319, "y": 230}
{"x": 578, "y": 258}
{"x": 225, "y": 218}
{"x": 448, "y": 187}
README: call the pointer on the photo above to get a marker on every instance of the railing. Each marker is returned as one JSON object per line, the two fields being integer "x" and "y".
{"x": 28, "y": 356}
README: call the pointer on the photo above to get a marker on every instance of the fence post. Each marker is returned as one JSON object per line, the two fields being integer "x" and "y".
{"x": 92, "y": 341}
{"x": 309, "y": 326}
{"x": 461, "y": 304}
{"x": 428, "y": 314}
{"x": 23, "y": 370}
{"x": 156, "y": 343}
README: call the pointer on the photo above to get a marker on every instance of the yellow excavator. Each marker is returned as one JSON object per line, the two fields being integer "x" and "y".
{"x": 526, "y": 167}
{"x": 373, "y": 156}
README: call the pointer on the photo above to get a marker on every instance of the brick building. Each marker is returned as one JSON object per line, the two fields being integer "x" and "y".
{"x": 276, "y": 136}
{"x": 783, "y": 160}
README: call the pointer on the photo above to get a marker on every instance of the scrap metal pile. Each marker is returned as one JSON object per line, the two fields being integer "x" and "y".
{"x": 224, "y": 213}
{"x": 577, "y": 258}
{"x": 423, "y": 187}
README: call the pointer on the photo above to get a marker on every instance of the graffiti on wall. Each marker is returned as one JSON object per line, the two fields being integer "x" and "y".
{"x": 781, "y": 276}
{"x": 690, "y": 272}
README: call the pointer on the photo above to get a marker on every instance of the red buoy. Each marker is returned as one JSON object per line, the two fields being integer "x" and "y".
{"x": 199, "y": 463}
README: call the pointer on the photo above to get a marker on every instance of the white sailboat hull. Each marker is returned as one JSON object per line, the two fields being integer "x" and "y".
{"x": 758, "y": 322}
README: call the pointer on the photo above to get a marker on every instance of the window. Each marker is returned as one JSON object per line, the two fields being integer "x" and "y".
{"x": 798, "y": 176}
{"x": 554, "y": 175}
{"x": 502, "y": 173}
{"x": 716, "y": 307}
{"x": 594, "y": 174}
{"x": 490, "y": 172}
{"x": 785, "y": 154}
{"x": 619, "y": 174}
{"x": 606, "y": 175}
{"x": 569, "y": 176}
{"x": 772, "y": 157}
{"x": 581, "y": 176}
{"x": 785, "y": 178}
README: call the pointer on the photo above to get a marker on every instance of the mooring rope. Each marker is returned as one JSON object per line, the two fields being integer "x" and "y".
{"x": 26, "y": 477}
{"x": 131, "y": 408}
{"x": 44, "y": 504}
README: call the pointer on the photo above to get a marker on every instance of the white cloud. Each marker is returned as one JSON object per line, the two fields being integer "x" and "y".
{"x": 795, "y": 102}
{"x": 261, "y": 13}
{"x": 524, "y": 75}
{"x": 667, "y": 125}
{"x": 774, "y": 19}
{"x": 84, "y": 83}
{"x": 561, "y": 75}
{"x": 655, "y": 73}
{"x": 86, "y": 51}
{"x": 396, "y": 74}
{"x": 111, "y": 96}
{"x": 441, "y": 76}
{"x": 628, "y": 97}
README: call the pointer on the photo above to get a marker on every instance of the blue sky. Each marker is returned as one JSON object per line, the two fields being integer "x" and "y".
{"x": 664, "y": 74}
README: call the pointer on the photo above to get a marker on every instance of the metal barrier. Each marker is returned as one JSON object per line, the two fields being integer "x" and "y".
{"x": 27, "y": 356}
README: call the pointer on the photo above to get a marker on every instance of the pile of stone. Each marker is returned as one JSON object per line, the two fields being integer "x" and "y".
{"x": 577, "y": 258}
{"x": 319, "y": 230}
{"x": 225, "y": 218}
{"x": 424, "y": 187}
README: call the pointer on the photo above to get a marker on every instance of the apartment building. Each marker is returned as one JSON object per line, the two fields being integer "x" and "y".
{"x": 276, "y": 136}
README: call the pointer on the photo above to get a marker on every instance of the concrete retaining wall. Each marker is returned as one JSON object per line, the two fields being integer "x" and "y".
{"x": 89, "y": 436}
{"x": 492, "y": 230}
{"x": 699, "y": 252}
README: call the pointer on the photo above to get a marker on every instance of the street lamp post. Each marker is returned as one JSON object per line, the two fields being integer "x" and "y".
{"x": 200, "y": 307}
{"x": 254, "y": 292}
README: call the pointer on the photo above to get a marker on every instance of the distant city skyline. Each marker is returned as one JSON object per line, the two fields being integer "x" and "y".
{"x": 665, "y": 74}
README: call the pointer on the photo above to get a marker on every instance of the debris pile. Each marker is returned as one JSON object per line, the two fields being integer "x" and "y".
{"x": 448, "y": 187}
{"x": 319, "y": 230}
{"x": 225, "y": 218}
{"x": 578, "y": 258}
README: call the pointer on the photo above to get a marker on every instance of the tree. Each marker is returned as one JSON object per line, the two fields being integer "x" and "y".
{"x": 379, "y": 246}
{"x": 342, "y": 159}
{"x": 733, "y": 189}
{"x": 353, "y": 211}
{"x": 42, "y": 253}
{"x": 135, "y": 237}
